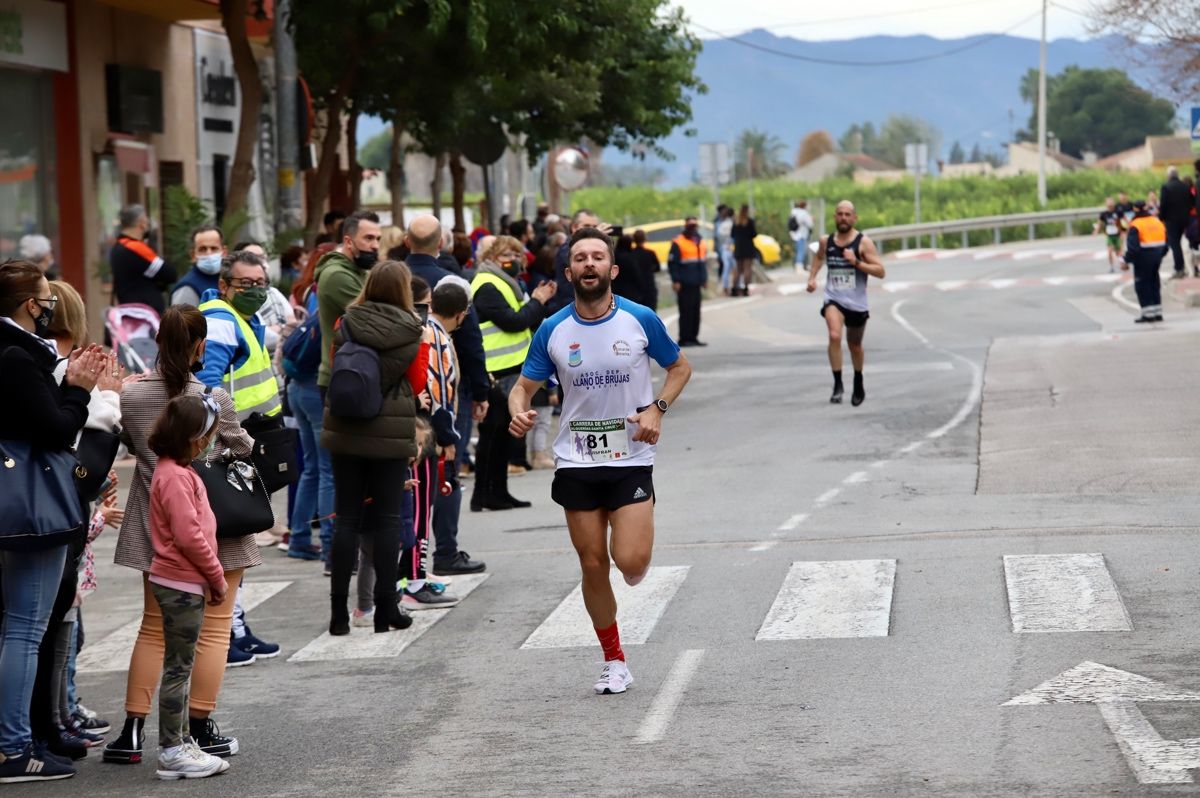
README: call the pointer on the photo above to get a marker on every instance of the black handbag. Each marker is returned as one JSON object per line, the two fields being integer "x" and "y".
{"x": 239, "y": 500}
{"x": 274, "y": 450}
{"x": 39, "y": 507}
{"x": 96, "y": 451}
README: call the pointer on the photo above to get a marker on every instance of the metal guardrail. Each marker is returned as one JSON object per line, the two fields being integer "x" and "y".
{"x": 904, "y": 232}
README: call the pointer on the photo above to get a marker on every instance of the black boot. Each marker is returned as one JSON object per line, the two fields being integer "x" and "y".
{"x": 391, "y": 616}
{"x": 860, "y": 393}
{"x": 127, "y": 749}
{"x": 339, "y": 616}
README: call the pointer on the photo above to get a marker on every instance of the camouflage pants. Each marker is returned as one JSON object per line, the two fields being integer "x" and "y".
{"x": 183, "y": 614}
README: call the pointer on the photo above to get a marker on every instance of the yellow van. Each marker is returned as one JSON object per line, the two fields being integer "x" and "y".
{"x": 659, "y": 236}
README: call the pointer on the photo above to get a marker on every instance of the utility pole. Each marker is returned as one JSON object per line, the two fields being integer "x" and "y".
{"x": 1041, "y": 133}
{"x": 288, "y": 214}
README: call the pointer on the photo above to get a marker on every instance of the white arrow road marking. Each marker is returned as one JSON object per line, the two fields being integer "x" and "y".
{"x": 833, "y": 599}
{"x": 662, "y": 709}
{"x": 638, "y": 610}
{"x": 112, "y": 652}
{"x": 366, "y": 644}
{"x": 1115, "y": 693}
{"x": 1063, "y": 593}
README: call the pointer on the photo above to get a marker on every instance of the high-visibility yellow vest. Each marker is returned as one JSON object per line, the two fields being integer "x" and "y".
{"x": 253, "y": 388}
{"x": 502, "y": 350}
{"x": 1152, "y": 233}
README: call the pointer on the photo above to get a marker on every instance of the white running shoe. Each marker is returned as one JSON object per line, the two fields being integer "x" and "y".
{"x": 187, "y": 761}
{"x": 361, "y": 619}
{"x": 615, "y": 678}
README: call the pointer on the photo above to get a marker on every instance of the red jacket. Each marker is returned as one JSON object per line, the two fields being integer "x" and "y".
{"x": 182, "y": 527}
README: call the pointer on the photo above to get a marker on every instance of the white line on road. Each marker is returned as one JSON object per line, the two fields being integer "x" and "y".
{"x": 787, "y": 289}
{"x": 879, "y": 464}
{"x": 976, "y": 392}
{"x": 766, "y": 544}
{"x": 912, "y": 447}
{"x": 832, "y": 599}
{"x": 827, "y": 496}
{"x": 793, "y": 522}
{"x": 949, "y": 285}
{"x": 904, "y": 323}
{"x": 1107, "y": 278}
{"x": 896, "y": 285}
{"x": 1118, "y": 295}
{"x": 638, "y": 610}
{"x": 1070, "y": 254}
{"x": 662, "y": 709}
{"x": 1002, "y": 283}
{"x": 856, "y": 478}
{"x": 366, "y": 644}
{"x": 988, "y": 254}
{"x": 1055, "y": 280}
{"x": 112, "y": 652}
{"x": 1031, "y": 254}
{"x": 1063, "y": 593}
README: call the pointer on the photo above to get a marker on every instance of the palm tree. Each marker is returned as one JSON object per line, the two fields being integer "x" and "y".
{"x": 758, "y": 154}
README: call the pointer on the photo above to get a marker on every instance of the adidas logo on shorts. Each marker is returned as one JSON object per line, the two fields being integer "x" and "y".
{"x": 639, "y": 494}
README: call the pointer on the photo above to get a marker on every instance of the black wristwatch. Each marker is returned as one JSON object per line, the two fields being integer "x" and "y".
{"x": 661, "y": 404}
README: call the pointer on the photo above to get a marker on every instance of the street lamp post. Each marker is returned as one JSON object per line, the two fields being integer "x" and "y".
{"x": 1041, "y": 121}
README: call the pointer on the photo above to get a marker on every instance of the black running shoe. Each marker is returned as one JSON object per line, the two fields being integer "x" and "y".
{"x": 836, "y": 397}
{"x": 206, "y": 734}
{"x": 91, "y": 723}
{"x": 127, "y": 749}
{"x": 859, "y": 394}
{"x": 460, "y": 563}
{"x": 26, "y": 766}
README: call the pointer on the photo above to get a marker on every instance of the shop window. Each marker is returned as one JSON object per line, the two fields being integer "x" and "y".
{"x": 27, "y": 195}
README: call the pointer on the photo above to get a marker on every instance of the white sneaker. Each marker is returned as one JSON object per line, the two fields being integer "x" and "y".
{"x": 615, "y": 678}
{"x": 187, "y": 761}
{"x": 362, "y": 619}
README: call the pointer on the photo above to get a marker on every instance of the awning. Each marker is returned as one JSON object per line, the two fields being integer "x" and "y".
{"x": 170, "y": 10}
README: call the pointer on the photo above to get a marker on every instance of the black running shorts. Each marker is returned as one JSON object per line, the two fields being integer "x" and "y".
{"x": 602, "y": 487}
{"x": 854, "y": 318}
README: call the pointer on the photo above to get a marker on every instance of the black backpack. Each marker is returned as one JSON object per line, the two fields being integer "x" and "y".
{"x": 355, "y": 384}
{"x": 793, "y": 224}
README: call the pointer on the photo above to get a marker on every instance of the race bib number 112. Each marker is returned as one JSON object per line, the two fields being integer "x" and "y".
{"x": 599, "y": 441}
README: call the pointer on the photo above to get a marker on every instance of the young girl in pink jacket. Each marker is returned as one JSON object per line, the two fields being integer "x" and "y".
{"x": 184, "y": 570}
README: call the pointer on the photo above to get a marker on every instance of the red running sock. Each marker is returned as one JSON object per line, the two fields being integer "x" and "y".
{"x": 610, "y": 641}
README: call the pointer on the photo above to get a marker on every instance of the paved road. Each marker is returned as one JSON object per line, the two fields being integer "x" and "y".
{"x": 843, "y": 599}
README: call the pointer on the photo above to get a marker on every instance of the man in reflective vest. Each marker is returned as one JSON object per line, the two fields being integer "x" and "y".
{"x": 235, "y": 357}
{"x": 689, "y": 275}
{"x": 507, "y": 322}
{"x": 236, "y": 360}
{"x": 1145, "y": 246}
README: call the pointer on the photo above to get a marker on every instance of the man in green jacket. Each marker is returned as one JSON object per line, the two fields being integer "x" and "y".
{"x": 340, "y": 275}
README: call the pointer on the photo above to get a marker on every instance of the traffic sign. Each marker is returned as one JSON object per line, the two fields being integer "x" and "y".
{"x": 1196, "y": 130}
{"x": 714, "y": 163}
{"x": 916, "y": 157}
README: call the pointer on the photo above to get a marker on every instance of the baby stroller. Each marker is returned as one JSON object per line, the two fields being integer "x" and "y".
{"x": 133, "y": 328}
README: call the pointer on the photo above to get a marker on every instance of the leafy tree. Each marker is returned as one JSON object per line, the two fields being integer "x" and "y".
{"x": 758, "y": 154}
{"x": 241, "y": 172}
{"x": 901, "y": 129}
{"x": 956, "y": 152}
{"x": 376, "y": 151}
{"x": 976, "y": 154}
{"x": 1097, "y": 109}
{"x": 1158, "y": 33}
{"x": 859, "y": 139}
{"x": 813, "y": 146}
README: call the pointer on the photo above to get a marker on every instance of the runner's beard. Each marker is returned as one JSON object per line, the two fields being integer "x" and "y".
{"x": 843, "y": 227}
{"x": 603, "y": 284}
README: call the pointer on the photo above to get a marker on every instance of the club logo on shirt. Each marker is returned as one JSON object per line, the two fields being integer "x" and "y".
{"x": 575, "y": 358}
{"x": 622, "y": 348}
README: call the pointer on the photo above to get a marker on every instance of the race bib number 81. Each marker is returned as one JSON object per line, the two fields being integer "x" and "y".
{"x": 599, "y": 441}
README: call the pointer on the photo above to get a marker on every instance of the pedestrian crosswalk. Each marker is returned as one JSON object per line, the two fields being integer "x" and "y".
{"x": 812, "y": 600}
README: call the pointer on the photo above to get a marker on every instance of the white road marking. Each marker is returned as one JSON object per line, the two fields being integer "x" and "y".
{"x": 988, "y": 254}
{"x": 1070, "y": 254}
{"x": 1102, "y": 255}
{"x": 766, "y": 544}
{"x": 911, "y": 253}
{"x": 1063, "y": 593}
{"x": 111, "y": 653}
{"x": 951, "y": 253}
{"x": 1107, "y": 278}
{"x": 827, "y": 496}
{"x": 879, "y": 464}
{"x": 949, "y": 285}
{"x": 912, "y": 447}
{"x": 1118, "y": 295}
{"x": 856, "y": 478}
{"x": 1116, "y": 694}
{"x": 832, "y": 599}
{"x": 1002, "y": 283}
{"x": 793, "y": 522}
{"x": 1054, "y": 280}
{"x": 893, "y": 286}
{"x": 662, "y": 709}
{"x": 638, "y": 610}
{"x": 787, "y": 289}
{"x": 366, "y": 644}
{"x": 904, "y": 323}
{"x": 1031, "y": 254}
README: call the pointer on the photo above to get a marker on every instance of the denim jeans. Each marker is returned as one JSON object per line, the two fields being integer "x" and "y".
{"x": 29, "y": 581}
{"x": 802, "y": 252}
{"x": 314, "y": 491}
{"x": 725, "y": 257}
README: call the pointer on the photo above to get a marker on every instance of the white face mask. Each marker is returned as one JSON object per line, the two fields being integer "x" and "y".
{"x": 209, "y": 264}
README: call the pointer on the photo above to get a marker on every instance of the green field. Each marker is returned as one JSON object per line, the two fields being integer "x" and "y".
{"x": 883, "y": 204}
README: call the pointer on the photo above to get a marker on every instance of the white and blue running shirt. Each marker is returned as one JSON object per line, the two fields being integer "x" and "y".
{"x": 604, "y": 369}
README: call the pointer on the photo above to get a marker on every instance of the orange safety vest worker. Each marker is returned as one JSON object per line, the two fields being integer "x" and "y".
{"x": 690, "y": 269}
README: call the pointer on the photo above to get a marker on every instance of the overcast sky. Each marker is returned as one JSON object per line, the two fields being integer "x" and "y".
{"x": 847, "y": 19}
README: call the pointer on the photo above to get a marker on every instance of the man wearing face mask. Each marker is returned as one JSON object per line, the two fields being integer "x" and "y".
{"x": 340, "y": 276}
{"x": 206, "y": 251}
{"x": 235, "y": 356}
{"x": 138, "y": 273}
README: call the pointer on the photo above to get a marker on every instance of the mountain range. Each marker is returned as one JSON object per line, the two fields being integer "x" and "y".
{"x": 971, "y": 95}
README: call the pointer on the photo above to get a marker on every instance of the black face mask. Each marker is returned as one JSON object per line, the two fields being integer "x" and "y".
{"x": 41, "y": 322}
{"x": 366, "y": 259}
